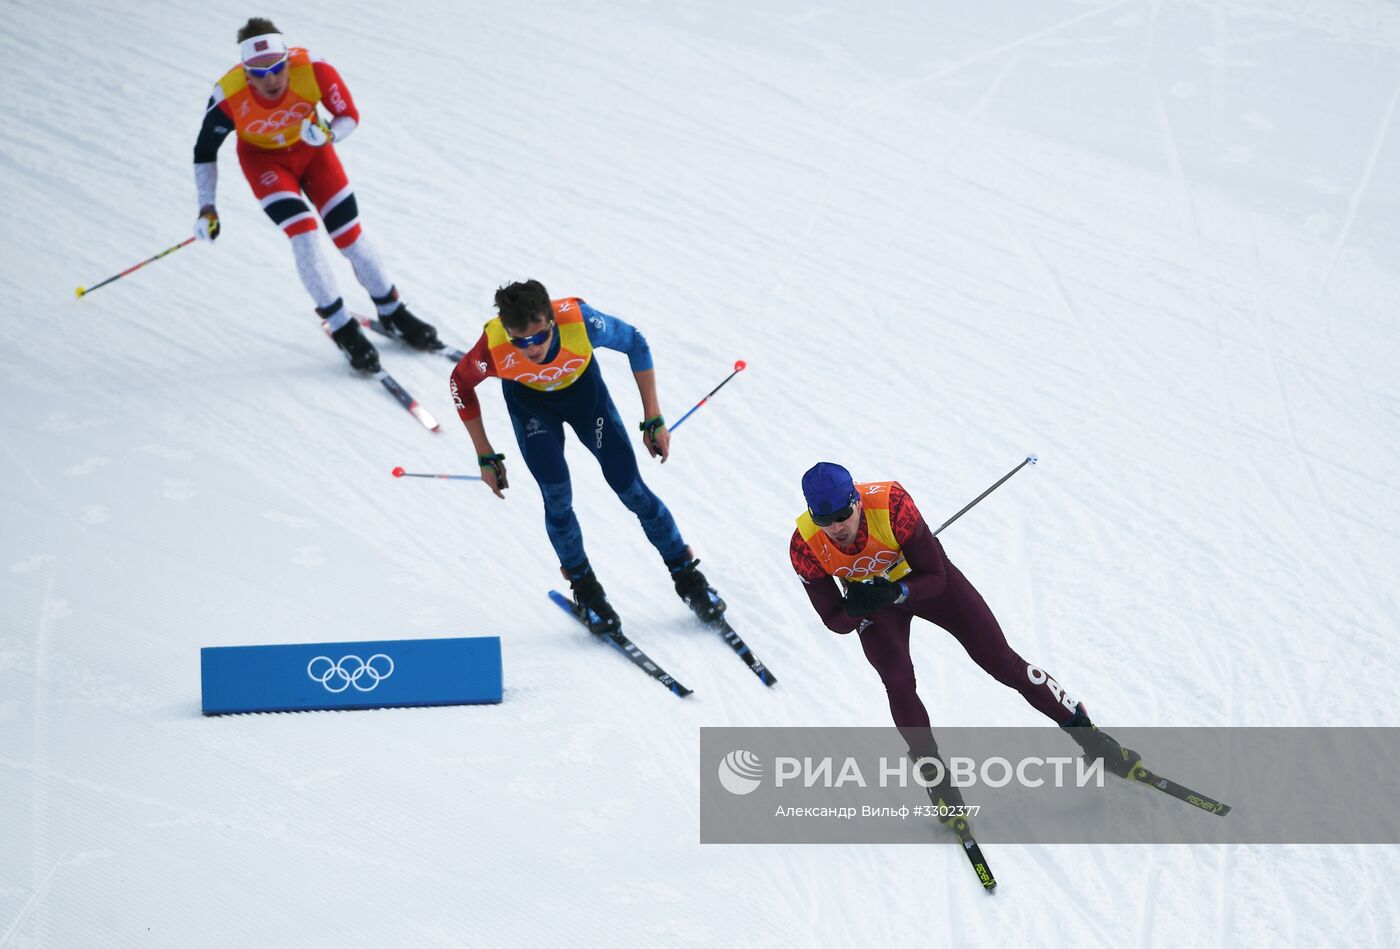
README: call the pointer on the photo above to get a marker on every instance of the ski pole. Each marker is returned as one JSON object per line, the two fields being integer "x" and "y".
{"x": 84, "y": 291}
{"x": 400, "y": 473}
{"x": 739, "y": 367}
{"x": 1030, "y": 460}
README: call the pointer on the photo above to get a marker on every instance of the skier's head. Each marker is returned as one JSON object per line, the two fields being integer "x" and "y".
{"x": 527, "y": 317}
{"x": 263, "y": 52}
{"x": 832, "y": 500}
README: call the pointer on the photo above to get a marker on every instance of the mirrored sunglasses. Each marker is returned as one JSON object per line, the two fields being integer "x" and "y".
{"x": 525, "y": 342}
{"x": 261, "y": 72}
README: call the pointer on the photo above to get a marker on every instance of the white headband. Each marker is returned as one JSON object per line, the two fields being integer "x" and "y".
{"x": 268, "y": 45}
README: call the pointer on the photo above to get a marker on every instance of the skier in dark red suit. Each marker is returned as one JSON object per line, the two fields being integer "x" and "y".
{"x": 285, "y": 148}
{"x": 872, "y": 538}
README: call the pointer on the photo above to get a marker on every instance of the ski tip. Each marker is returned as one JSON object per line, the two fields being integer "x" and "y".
{"x": 424, "y": 417}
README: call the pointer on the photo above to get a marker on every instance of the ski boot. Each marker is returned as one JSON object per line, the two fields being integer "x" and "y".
{"x": 952, "y": 813}
{"x": 357, "y": 349}
{"x": 410, "y": 328}
{"x": 1096, "y": 744}
{"x": 692, "y": 587}
{"x": 943, "y": 795}
{"x": 591, "y": 602}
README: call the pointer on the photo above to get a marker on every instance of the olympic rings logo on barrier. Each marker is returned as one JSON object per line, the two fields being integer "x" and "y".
{"x": 350, "y": 670}
{"x": 279, "y": 119}
{"x": 865, "y": 566}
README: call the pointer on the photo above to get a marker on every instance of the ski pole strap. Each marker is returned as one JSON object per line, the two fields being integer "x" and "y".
{"x": 652, "y": 424}
{"x": 491, "y": 461}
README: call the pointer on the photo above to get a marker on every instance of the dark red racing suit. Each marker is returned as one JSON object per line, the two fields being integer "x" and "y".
{"x": 939, "y": 593}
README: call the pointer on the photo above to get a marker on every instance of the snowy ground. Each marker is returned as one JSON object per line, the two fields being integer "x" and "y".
{"x": 1153, "y": 242}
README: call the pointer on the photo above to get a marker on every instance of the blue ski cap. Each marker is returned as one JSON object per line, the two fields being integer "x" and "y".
{"x": 827, "y": 487}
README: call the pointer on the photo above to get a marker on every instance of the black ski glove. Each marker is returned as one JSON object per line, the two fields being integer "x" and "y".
{"x": 867, "y": 597}
{"x": 493, "y": 472}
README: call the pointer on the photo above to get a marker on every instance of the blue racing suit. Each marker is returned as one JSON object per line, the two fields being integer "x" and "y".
{"x": 539, "y": 418}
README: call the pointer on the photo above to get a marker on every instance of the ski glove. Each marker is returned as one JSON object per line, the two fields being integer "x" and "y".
{"x": 656, "y": 437}
{"x": 315, "y": 134}
{"x": 206, "y": 226}
{"x": 867, "y": 597}
{"x": 493, "y": 472}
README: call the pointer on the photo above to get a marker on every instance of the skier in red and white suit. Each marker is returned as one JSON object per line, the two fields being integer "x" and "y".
{"x": 285, "y": 149}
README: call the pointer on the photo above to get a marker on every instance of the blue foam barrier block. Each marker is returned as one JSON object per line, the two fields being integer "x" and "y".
{"x": 311, "y": 676}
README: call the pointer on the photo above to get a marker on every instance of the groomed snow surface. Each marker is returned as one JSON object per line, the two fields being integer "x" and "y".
{"x": 1153, "y": 242}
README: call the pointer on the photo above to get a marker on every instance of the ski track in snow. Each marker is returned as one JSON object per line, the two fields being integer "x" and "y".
{"x": 1131, "y": 237}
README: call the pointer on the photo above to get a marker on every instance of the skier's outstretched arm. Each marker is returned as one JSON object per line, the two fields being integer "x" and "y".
{"x": 609, "y": 332}
{"x": 656, "y": 437}
{"x": 216, "y": 127}
{"x": 473, "y": 368}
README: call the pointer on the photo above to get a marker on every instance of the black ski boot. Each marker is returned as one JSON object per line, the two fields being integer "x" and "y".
{"x": 692, "y": 587}
{"x": 943, "y": 795}
{"x": 410, "y": 328}
{"x": 352, "y": 342}
{"x": 950, "y": 810}
{"x": 1096, "y": 744}
{"x": 591, "y": 602}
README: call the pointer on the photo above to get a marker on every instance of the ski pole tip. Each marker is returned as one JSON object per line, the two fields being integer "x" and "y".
{"x": 80, "y": 291}
{"x": 397, "y": 472}
{"x": 1032, "y": 458}
{"x": 740, "y": 365}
